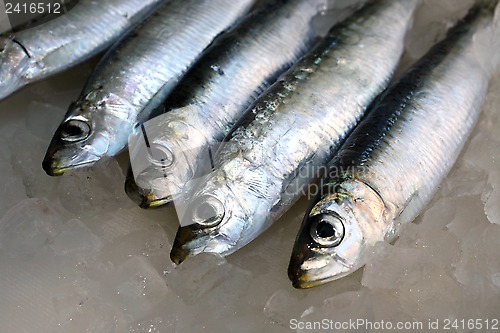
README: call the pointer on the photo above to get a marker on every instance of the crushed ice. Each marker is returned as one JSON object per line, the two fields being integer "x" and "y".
{"x": 77, "y": 256}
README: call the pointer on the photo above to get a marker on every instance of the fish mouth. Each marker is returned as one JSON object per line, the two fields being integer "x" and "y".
{"x": 180, "y": 251}
{"x": 178, "y": 255}
{"x": 311, "y": 267}
{"x": 148, "y": 203}
{"x": 54, "y": 168}
{"x": 304, "y": 279}
{"x": 146, "y": 199}
{"x": 306, "y": 269}
{"x": 192, "y": 240}
{"x": 300, "y": 279}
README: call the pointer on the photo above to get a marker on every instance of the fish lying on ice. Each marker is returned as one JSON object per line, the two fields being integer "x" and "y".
{"x": 393, "y": 162}
{"x": 84, "y": 31}
{"x": 134, "y": 77}
{"x": 213, "y": 95}
{"x": 292, "y": 130}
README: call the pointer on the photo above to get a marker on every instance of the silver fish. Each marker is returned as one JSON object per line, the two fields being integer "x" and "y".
{"x": 294, "y": 129}
{"x": 213, "y": 95}
{"x": 392, "y": 163}
{"x": 89, "y": 28}
{"x": 134, "y": 77}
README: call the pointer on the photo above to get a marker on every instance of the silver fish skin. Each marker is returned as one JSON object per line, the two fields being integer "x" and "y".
{"x": 392, "y": 163}
{"x": 213, "y": 95}
{"x": 84, "y": 31}
{"x": 134, "y": 77}
{"x": 295, "y": 128}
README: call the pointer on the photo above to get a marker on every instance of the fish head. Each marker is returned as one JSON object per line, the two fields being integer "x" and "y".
{"x": 159, "y": 174}
{"x": 221, "y": 218}
{"x": 88, "y": 133}
{"x": 149, "y": 182}
{"x": 14, "y": 62}
{"x": 336, "y": 234}
{"x": 166, "y": 152}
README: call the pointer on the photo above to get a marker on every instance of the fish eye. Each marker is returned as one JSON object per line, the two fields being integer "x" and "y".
{"x": 327, "y": 230}
{"x": 160, "y": 156}
{"x": 209, "y": 212}
{"x": 74, "y": 130}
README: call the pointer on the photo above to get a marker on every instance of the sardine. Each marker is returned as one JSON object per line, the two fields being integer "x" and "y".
{"x": 293, "y": 130}
{"x": 213, "y": 95}
{"x": 134, "y": 77}
{"x": 392, "y": 163}
{"x": 87, "y": 29}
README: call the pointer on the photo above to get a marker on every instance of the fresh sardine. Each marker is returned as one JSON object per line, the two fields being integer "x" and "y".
{"x": 293, "y": 130}
{"x": 213, "y": 96}
{"x": 134, "y": 77}
{"x": 87, "y": 29}
{"x": 392, "y": 163}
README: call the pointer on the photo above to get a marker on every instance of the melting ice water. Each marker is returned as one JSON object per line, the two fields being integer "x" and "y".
{"x": 77, "y": 256}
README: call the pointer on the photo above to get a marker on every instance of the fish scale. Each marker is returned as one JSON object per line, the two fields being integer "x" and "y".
{"x": 134, "y": 77}
{"x": 392, "y": 163}
{"x": 296, "y": 126}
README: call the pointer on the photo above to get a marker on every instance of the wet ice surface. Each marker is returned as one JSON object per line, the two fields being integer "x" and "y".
{"x": 77, "y": 256}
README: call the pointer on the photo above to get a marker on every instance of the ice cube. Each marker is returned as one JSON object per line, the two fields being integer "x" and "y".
{"x": 171, "y": 315}
{"x": 432, "y": 20}
{"x": 477, "y": 270}
{"x": 42, "y": 120}
{"x": 391, "y": 267}
{"x": 491, "y": 198}
{"x": 479, "y": 254}
{"x": 434, "y": 294}
{"x": 150, "y": 243}
{"x": 440, "y": 247}
{"x": 200, "y": 275}
{"x": 31, "y": 286}
{"x": 387, "y": 307}
{"x": 346, "y": 307}
{"x": 469, "y": 215}
{"x": 134, "y": 286}
{"x": 465, "y": 179}
{"x": 28, "y": 226}
{"x": 75, "y": 238}
{"x": 282, "y": 307}
{"x": 13, "y": 189}
{"x": 242, "y": 323}
{"x": 92, "y": 191}
{"x": 27, "y": 153}
{"x": 208, "y": 281}
{"x": 483, "y": 151}
{"x": 79, "y": 312}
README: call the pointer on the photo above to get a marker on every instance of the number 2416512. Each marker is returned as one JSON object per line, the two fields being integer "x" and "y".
{"x": 33, "y": 8}
{"x": 471, "y": 324}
